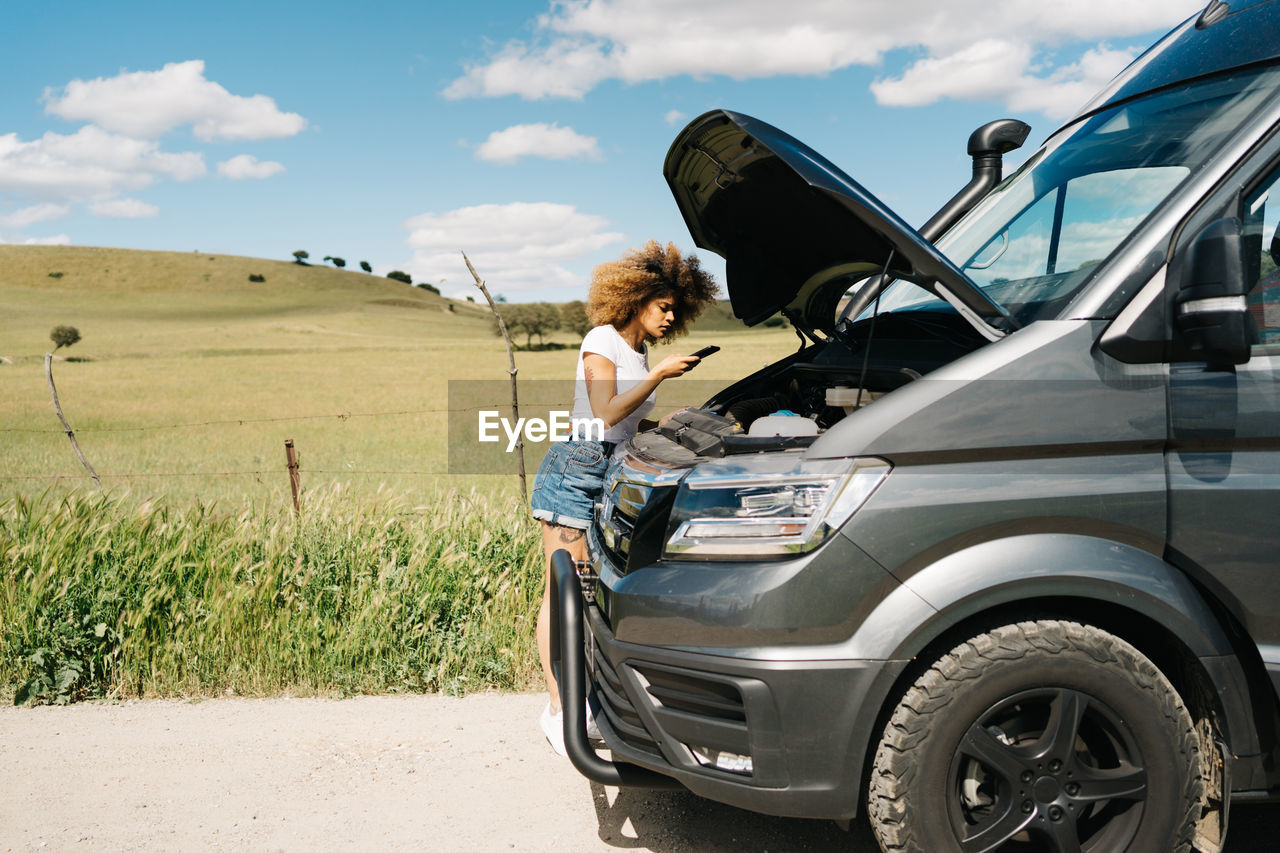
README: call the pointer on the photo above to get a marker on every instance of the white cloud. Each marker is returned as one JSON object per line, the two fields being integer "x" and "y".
{"x": 151, "y": 103}
{"x": 55, "y": 240}
{"x": 35, "y": 213}
{"x": 563, "y": 69}
{"x": 673, "y": 116}
{"x": 537, "y": 140}
{"x": 515, "y": 247}
{"x": 245, "y": 166}
{"x": 1070, "y": 87}
{"x": 90, "y": 164}
{"x": 579, "y": 44}
{"x": 981, "y": 70}
{"x": 123, "y": 208}
{"x": 993, "y": 68}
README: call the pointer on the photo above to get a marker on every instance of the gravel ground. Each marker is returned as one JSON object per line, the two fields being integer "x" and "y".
{"x": 391, "y": 772}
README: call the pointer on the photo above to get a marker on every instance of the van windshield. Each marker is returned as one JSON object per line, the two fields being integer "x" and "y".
{"x": 1037, "y": 238}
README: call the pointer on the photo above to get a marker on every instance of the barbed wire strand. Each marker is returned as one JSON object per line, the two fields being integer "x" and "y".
{"x": 342, "y": 416}
{"x": 272, "y": 473}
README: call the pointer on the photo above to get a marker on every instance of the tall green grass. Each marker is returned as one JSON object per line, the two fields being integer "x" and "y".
{"x": 111, "y": 596}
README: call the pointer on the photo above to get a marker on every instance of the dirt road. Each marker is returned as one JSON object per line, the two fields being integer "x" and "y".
{"x": 406, "y": 773}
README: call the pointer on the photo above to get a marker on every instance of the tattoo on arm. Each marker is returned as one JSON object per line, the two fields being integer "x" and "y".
{"x": 569, "y": 535}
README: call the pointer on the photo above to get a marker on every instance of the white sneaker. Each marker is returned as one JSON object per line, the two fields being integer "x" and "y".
{"x": 553, "y": 727}
{"x": 593, "y": 731}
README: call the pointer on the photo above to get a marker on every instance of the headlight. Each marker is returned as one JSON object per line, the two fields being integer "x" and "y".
{"x": 762, "y": 510}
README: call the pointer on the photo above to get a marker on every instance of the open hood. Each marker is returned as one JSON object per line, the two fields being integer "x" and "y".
{"x": 796, "y": 232}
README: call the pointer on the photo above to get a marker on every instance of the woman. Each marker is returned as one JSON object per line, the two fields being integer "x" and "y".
{"x": 648, "y": 294}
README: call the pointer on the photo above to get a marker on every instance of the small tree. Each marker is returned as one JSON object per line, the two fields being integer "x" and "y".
{"x": 573, "y": 316}
{"x": 397, "y": 275}
{"x": 547, "y": 318}
{"x": 471, "y": 299}
{"x": 532, "y": 318}
{"x": 512, "y": 316}
{"x": 427, "y": 286}
{"x": 364, "y": 265}
{"x": 64, "y": 336}
{"x": 338, "y": 262}
{"x": 300, "y": 257}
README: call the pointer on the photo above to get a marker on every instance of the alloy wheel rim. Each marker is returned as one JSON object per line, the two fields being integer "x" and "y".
{"x": 1047, "y": 769}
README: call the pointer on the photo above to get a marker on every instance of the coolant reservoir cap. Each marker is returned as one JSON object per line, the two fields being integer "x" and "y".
{"x": 783, "y": 422}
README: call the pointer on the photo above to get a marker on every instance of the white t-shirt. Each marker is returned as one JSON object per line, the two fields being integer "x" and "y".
{"x": 632, "y": 367}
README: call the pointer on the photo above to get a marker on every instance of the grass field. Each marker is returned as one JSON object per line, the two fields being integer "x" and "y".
{"x": 175, "y": 338}
{"x": 188, "y": 574}
{"x": 104, "y": 596}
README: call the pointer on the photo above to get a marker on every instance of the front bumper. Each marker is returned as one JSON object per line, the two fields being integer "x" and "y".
{"x": 804, "y": 724}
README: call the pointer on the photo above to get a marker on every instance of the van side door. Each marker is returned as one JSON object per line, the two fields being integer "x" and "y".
{"x": 1223, "y": 457}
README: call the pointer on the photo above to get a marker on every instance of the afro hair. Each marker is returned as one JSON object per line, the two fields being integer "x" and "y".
{"x": 619, "y": 289}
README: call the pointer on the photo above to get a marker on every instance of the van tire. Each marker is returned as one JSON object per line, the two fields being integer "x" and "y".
{"x": 974, "y": 747}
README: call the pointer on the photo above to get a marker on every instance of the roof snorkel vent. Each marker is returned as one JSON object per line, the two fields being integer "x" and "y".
{"x": 987, "y": 146}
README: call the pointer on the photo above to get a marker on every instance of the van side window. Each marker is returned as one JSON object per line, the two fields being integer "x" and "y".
{"x": 1262, "y": 259}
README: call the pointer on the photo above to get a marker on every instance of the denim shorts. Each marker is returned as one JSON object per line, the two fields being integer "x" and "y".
{"x": 568, "y": 482}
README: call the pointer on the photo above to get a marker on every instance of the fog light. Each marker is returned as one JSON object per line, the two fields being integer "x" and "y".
{"x": 730, "y": 761}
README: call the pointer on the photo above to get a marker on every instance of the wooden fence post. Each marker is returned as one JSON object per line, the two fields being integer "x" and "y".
{"x": 295, "y": 479}
{"x": 66, "y": 427}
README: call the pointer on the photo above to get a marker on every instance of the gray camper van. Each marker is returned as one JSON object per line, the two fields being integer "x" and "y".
{"x": 1021, "y": 590}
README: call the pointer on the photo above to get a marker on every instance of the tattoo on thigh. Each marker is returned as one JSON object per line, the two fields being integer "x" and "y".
{"x": 569, "y": 535}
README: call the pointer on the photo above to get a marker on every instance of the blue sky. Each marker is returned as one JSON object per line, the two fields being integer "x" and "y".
{"x": 529, "y": 133}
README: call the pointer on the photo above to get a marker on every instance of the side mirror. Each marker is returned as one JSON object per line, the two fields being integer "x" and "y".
{"x": 1210, "y": 314}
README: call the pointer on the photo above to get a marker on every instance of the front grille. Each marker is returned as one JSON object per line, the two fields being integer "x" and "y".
{"x": 618, "y": 708}
{"x": 631, "y": 516}
{"x": 681, "y": 708}
{"x": 692, "y": 695}
{"x": 620, "y": 505}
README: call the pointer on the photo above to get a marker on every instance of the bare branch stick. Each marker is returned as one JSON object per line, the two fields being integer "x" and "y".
{"x": 511, "y": 361}
{"x": 66, "y": 427}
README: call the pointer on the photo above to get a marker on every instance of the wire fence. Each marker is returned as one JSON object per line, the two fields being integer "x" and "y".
{"x": 466, "y": 454}
{"x": 340, "y": 416}
{"x": 240, "y": 422}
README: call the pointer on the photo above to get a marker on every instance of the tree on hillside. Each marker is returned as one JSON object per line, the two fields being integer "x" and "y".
{"x": 426, "y": 286}
{"x": 64, "y": 336}
{"x": 512, "y": 317}
{"x": 337, "y": 262}
{"x": 364, "y": 265}
{"x": 573, "y": 316}
{"x": 300, "y": 257}
{"x": 397, "y": 275}
{"x": 532, "y": 318}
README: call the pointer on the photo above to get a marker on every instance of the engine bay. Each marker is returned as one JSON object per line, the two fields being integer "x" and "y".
{"x": 823, "y": 382}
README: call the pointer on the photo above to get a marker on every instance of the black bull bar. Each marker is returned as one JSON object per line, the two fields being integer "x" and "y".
{"x": 568, "y": 661}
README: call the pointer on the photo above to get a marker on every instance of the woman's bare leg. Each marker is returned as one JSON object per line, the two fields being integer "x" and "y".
{"x": 554, "y": 537}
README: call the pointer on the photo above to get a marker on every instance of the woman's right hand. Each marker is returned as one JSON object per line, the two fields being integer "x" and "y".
{"x": 672, "y": 366}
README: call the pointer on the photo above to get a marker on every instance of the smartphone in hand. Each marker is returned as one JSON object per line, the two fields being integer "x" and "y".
{"x": 705, "y": 351}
